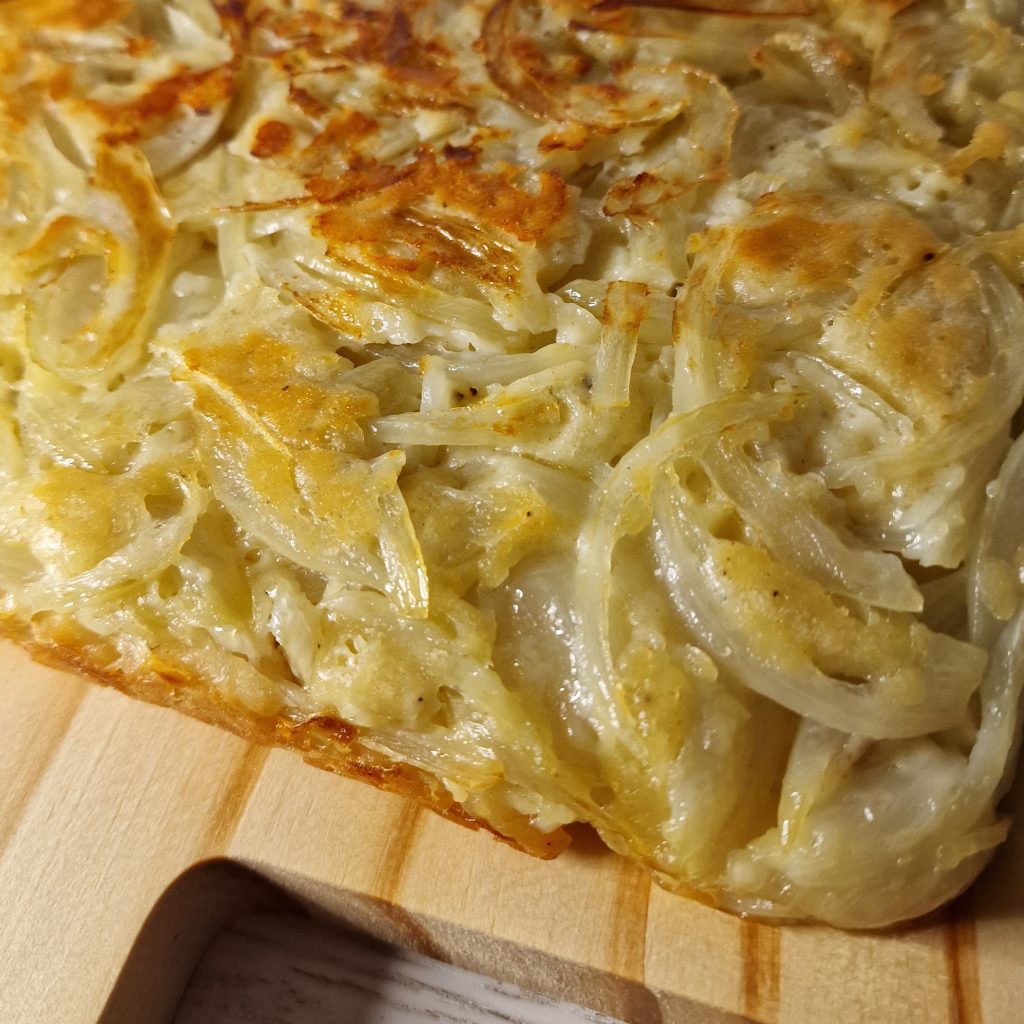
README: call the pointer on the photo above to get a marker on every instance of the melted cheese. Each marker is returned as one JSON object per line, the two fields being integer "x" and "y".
{"x": 561, "y": 395}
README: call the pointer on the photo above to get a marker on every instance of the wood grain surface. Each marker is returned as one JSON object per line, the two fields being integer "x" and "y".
{"x": 280, "y": 968}
{"x": 129, "y": 835}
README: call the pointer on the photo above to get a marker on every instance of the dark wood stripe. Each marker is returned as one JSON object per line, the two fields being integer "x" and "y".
{"x": 401, "y": 927}
{"x": 627, "y": 943}
{"x": 401, "y": 836}
{"x": 59, "y": 716}
{"x": 962, "y": 966}
{"x": 225, "y": 819}
{"x": 760, "y": 949}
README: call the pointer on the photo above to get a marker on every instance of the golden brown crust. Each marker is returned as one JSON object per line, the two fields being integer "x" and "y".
{"x": 328, "y": 743}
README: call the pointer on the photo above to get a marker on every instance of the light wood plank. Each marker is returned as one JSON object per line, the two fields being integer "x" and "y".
{"x": 108, "y": 807}
{"x": 683, "y": 938}
{"x": 544, "y": 905}
{"x": 325, "y": 828}
{"x": 37, "y": 717}
{"x": 870, "y": 977}
{"x": 997, "y": 905}
{"x": 124, "y": 805}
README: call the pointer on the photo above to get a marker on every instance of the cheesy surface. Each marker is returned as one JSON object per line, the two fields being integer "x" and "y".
{"x": 605, "y": 408}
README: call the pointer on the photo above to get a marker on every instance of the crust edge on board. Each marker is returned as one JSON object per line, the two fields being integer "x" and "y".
{"x": 327, "y": 743}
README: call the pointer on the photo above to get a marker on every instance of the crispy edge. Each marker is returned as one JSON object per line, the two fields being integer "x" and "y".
{"x": 327, "y": 743}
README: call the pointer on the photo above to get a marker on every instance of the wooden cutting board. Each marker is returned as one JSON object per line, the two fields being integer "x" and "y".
{"x": 130, "y": 834}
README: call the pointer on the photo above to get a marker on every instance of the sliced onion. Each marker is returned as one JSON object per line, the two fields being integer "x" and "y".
{"x": 522, "y": 413}
{"x": 154, "y": 547}
{"x": 1004, "y": 311}
{"x": 926, "y": 45}
{"x": 161, "y": 466}
{"x": 483, "y": 368}
{"x": 846, "y": 391}
{"x": 400, "y": 551}
{"x": 992, "y": 761}
{"x": 292, "y": 531}
{"x": 832, "y": 556}
{"x": 942, "y": 474}
{"x": 898, "y": 826}
{"x": 697, "y": 352}
{"x": 115, "y": 247}
{"x": 170, "y": 149}
{"x": 875, "y": 708}
{"x": 485, "y": 288}
{"x": 737, "y": 8}
{"x": 625, "y": 308}
{"x": 288, "y": 479}
{"x": 800, "y": 65}
{"x": 697, "y": 153}
{"x": 622, "y": 508}
{"x": 996, "y": 582}
{"x": 513, "y": 34}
